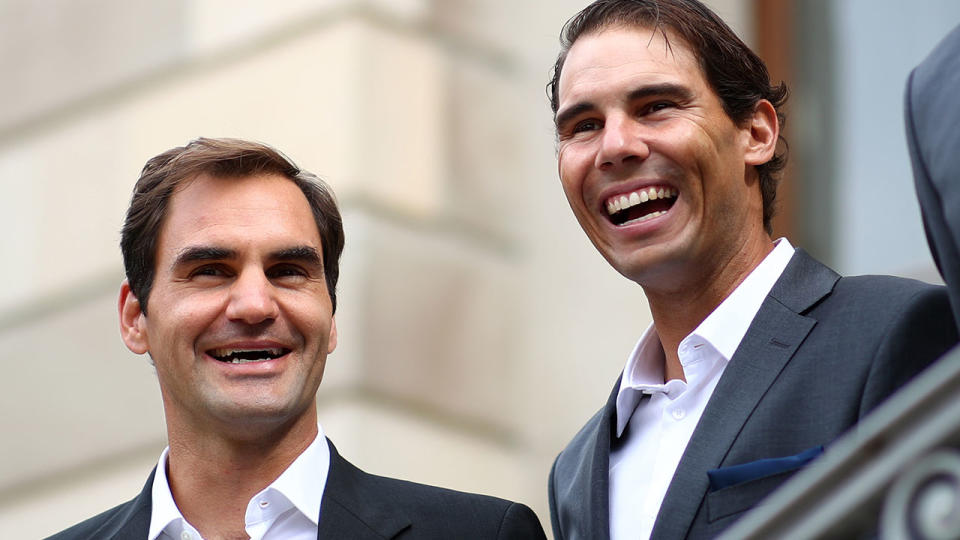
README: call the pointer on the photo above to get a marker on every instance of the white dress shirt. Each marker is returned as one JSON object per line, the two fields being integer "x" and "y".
{"x": 661, "y": 416}
{"x": 287, "y": 509}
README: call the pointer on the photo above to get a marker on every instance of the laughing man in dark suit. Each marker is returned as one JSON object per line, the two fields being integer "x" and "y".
{"x": 235, "y": 251}
{"x": 758, "y": 356}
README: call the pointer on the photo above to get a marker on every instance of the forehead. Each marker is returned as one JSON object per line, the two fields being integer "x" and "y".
{"x": 626, "y": 55}
{"x": 265, "y": 210}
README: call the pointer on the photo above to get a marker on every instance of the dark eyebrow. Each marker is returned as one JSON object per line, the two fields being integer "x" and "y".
{"x": 202, "y": 253}
{"x": 303, "y": 254}
{"x": 563, "y": 117}
{"x": 676, "y": 91}
{"x": 188, "y": 255}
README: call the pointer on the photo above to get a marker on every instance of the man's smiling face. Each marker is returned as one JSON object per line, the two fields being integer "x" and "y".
{"x": 654, "y": 169}
{"x": 240, "y": 320}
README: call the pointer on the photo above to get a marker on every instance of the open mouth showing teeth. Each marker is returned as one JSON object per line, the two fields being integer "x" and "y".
{"x": 243, "y": 356}
{"x": 641, "y": 205}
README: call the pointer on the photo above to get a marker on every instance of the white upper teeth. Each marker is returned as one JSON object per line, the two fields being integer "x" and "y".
{"x": 627, "y": 200}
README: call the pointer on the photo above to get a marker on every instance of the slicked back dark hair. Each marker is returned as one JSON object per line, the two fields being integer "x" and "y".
{"x": 219, "y": 158}
{"x": 737, "y": 75}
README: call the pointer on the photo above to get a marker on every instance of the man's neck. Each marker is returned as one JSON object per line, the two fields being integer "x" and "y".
{"x": 678, "y": 310}
{"x": 213, "y": 477}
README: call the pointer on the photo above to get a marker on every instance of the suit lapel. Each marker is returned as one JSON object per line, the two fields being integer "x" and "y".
{"x": 132, "y": 522}
{"x": 771, "y": 341}
{"x": 580, "y": 479}
{"x": 597, "y": 476}
{"x": 354, "y": 506}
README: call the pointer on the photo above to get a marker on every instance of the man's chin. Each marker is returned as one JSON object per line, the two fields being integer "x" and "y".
{"x": 652, "y": 270}
{"x": 253, "y": 413}
{"x": 639, "y": 265}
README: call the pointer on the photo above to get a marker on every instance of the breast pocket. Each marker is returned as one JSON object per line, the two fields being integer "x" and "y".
{"x": 741, "y": 497}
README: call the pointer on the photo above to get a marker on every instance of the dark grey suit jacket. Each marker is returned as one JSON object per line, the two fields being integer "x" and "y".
{"x": 359, "y": 506}
{"x": 933, "y": 135}
{"x": 820, "y": 354}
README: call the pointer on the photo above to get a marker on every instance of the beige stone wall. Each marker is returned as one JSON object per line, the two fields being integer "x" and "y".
{"x": 478, "y": 327}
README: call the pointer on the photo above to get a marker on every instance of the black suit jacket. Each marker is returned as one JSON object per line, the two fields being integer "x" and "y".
{"x": 358, "y": 506}
{"x": 933, "y": 136}
{"x": 820, "y": 354}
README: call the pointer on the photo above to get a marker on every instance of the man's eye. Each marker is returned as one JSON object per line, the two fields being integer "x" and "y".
{"x": 658, "y": 106}
{"x": 586, "y": 125}
{"x": 208, "y": 271}
{"x": 288, "y": 271}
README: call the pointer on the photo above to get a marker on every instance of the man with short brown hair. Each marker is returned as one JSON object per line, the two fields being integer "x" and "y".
{"x": 231, "y": 254}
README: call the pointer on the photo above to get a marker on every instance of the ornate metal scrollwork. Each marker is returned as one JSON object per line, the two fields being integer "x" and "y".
{"x": 924, "y": 502}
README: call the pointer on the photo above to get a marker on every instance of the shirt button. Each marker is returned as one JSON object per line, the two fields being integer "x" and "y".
{"x": 678, "y": 414}
{"x": 185, "y": 535}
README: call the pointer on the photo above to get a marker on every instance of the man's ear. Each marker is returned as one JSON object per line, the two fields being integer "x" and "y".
{"x": 332, "y": 339}
{"x": 763, "y": 132}
{"x": 132, "y": 320}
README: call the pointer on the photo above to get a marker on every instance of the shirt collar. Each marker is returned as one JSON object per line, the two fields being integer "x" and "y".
{"x": 644, "y": 371}
{"x": 298, "y": 484}
{"x": 164, "y": 512}
{"x": 645, "y": 364}
{"x": 723, "y": 329}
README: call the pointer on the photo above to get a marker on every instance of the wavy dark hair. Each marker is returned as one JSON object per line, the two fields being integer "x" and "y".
{"x": 737, "y": 75}
{"x": 221, "y": 158}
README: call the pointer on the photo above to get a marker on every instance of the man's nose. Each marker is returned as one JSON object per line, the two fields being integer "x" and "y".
{"x": 252, "y": 298}
{"x": 622, "y": 141}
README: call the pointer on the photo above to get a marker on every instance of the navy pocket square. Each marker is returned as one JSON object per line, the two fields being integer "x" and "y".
{"x": 737, "y": 474}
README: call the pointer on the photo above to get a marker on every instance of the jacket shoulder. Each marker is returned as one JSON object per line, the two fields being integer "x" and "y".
{"x": 870, "y": 300}
{"x": 390, "y": 507}
{"x": 899, "y": 288}
{"x": 103, "y": 525}
{"x": 458, "y": 513}
{"x": 130, "y": 520}
{"x": 883, "y": 304}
